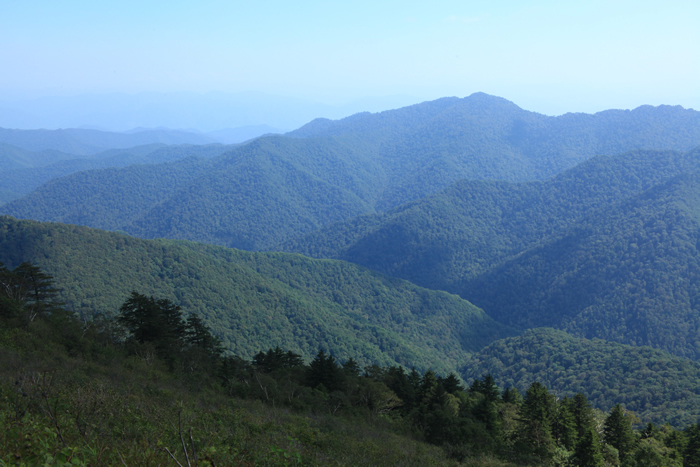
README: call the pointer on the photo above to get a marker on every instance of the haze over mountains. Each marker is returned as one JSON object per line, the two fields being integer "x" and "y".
{"x": 208, "y": 112}
{"x": 276, "y": 188}
{"x": 588, "y": 224}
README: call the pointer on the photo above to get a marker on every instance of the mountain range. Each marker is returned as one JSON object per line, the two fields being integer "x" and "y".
{"x": 275, "y": 188}
{"x": 431, "y": 233}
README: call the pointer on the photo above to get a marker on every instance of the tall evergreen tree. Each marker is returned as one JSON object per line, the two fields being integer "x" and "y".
{"x": 198, "y": 335}
{"x": 324, "y": 370}
{"x": 618, "y": 432}
{"x": 588, "y": 453}
{"x": 691, "y": 455}
{"x": 536, "y": 414}
{"x": 154, "y": 321}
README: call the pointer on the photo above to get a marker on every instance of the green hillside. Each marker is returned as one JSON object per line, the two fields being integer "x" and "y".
{"x": 153, "y": 387}
{"x": 276, "y": 188}
{"x": 22, "y": 180}
{"x": 607, "y": 249}
{"x": 255, "y": 301}
{"x": 473, "y": 225}
{"x": 630, "y": 274}
{"x": 656, "y": 385}
{"x": 14, "y": 158}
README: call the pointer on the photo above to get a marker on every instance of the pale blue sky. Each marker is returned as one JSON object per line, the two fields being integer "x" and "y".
{"x": 546, "y": 56}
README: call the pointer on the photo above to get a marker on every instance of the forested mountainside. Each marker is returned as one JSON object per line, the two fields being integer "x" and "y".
{"x": 472, "y": 225}
{"x": 258, "y": 300}
{"x": 629, "y": 274}
{"x": 152, "y": 385}
{"x": 21, "y": 180}
{"x": 86, "y": 142}
{"x": 13, "y": 158}
{"x": 275, "y": 188}
{"x": 654, "y": 384}
{"x": 607, "y": 249}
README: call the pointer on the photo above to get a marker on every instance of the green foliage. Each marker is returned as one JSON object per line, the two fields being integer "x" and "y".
{"x": 102, "y": 403}
{"x": 657, "y": 386}
{"x": 607, "y": 249}
{"x": 254, "y": 301}
{"x": 588, "y": 452}
{"x": 628, "y": 274}
{"x": 276, "y": 188}
{"x": 618, "y": 432}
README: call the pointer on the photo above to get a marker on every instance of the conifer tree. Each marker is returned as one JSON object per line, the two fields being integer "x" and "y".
{"x": 588, "y": 452}
{"x": 618, "y": 432}
{"x": 324, "y": 370}
{"x": 536, "y": 414}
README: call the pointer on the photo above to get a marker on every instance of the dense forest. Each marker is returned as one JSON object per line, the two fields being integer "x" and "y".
{"x": 607, "y": 249}
{"x": 458, "y": 282}
{"x": 255, "y": 299}
{"x": 23, "y": 171}
{"x": 251, "y": 300}
{"x": 275, "y": 188}
{"x": 654, "y": 384}
{"x": 153, "y": 386}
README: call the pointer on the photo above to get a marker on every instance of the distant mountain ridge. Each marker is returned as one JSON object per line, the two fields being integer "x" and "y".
{"x": 35, "y": 169}
{"x": 276, "y": 188}
{"x": 84, "y": 142}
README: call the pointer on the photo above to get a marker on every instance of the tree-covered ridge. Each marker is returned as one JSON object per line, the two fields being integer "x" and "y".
{"x": 262, "y": 193}
{"x": 256, "y": 300}
{"x": 22, "y": 180}
{"x": 14, "y": 158}
{"x": 629, "y": 274}
{"x": 85, "y": 142}
{"x": 607, "y": 249}
{"x": 135, "y": 188}
{"x": 275, "y": 188}
{"x": 657, "y": 386}
{"x": 473, "y": 225}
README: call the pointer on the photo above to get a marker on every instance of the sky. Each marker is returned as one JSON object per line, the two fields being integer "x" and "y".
{"x": 546, "y": 56}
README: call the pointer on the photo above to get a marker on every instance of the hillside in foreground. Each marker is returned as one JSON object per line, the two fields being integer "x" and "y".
{"x": 258, "y": 300}
{"x": 148, "y": 387}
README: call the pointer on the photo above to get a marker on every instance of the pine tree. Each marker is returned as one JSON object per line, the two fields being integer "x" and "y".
{"x": 618, "y": 432}
{"x": 691, "y": 455}
{"x": 536, "y": 414}
{"x": 197, "y": 334}
{"x": 588, "y": 452}
{"x": 154, "y": 321}
{"x": 324, "y": 371}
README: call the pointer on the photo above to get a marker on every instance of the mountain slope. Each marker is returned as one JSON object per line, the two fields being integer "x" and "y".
{"x": 22, "y": 181}
{"x": 608, "y": 249}
{"x": 255, "y": 301}
{"x": 659, "y": 387}
{"x": 108, "y": 198}
{"x": 462, "y": 231}
{"x": 630, "y": 274}
{"x": 272, "y": 189}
